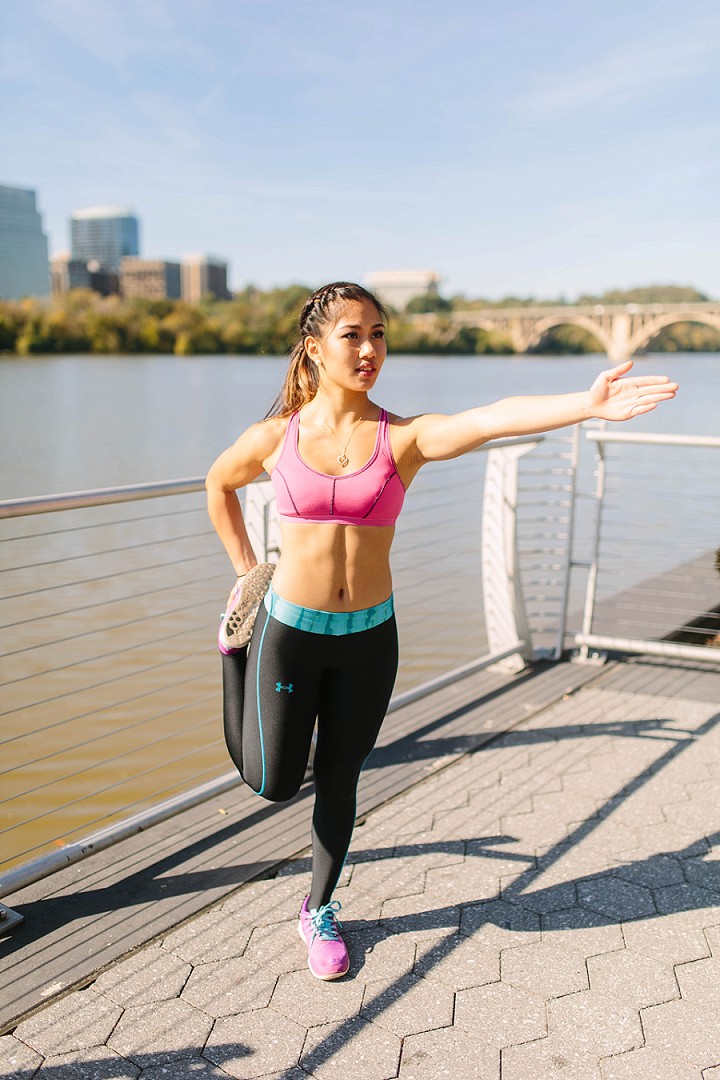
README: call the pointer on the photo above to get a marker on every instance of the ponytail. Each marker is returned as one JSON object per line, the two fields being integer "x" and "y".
{"x": 300, "y": 385}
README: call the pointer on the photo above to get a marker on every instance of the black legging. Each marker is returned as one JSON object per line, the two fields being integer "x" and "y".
{"x": 274, "y": 691}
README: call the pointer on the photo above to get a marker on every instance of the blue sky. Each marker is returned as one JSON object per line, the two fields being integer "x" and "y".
{"x": 520, "y": 147}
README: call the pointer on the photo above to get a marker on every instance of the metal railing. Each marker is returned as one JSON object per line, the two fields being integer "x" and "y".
{"x": 666, "y": 505}
{"x": 111, "y": 684}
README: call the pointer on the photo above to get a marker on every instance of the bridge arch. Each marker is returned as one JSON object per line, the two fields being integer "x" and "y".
{"x": 644, "y": 334}
{"x": 543, "y": 326}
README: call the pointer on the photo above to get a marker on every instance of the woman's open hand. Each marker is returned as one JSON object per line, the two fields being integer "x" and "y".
{"x": 614, "y": 396}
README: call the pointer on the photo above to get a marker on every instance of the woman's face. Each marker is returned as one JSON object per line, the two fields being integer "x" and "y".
{"x": 353, "y": 350}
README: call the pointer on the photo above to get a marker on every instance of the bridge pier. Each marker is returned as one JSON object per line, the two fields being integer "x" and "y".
{"x": 619, "y": 349}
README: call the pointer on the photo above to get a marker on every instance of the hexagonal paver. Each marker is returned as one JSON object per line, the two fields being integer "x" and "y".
{"x": 354, "y": 1048}
{"x": 76, "y": 1022}
{"x": 159, "y": 1032}
{"x": 631, "y": 977}
{"x": 583, "y": 930}
{"x": 419, "y": 917}
{"x": 553, "y": 898}
{"x": 17, "y": 1061}
{"x": 684, "y": 1030}
{"x": 385, "y": 877}
{"x": 98, "y": 1062}
{"x": 674, "y": 939}
{"x": 226, "y": 987}
{"x": 500, "y": 1015}
{"x": 601, "y": 1024}
{"x": 712, "y": 934}
{"x": 377, "y": 955}
{"x": 544, "y": 969}
{"x": 685, "y": 897}
{"x": 700, "y": 982}
{"x": 705, "y": 872}
{"x": 309, "y": 1001}
{"x": 464, "y": 882}
{"x": 261, "y": 903}
{"x": 654, "y": 872}
{"x": 214, "y": 935}
{"x": 255, "y": 1043}
{"x": 498, "y": 923}
{"x": 711, "y": 1074}
{"x": 549, "y": 1059}
{"x": 408, "y": 1005}
{"x": 449, "y": 1053}
{"x": 616, "y": 898}
{"x": 458, "y": 962}
{"x": 646, "y": 1064}
{"x": 277, "y": 948}
{"x": 149, "y": 975}
{"x": 187, "y": 1069}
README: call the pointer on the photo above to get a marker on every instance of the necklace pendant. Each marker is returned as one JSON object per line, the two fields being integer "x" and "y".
{"x": 343, "y": 460}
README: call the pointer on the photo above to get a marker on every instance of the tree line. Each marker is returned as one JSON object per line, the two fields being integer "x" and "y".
{"x": 264, "y": 322}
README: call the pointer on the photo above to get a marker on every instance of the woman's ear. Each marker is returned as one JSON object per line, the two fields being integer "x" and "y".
{"x": 312, "y": 348}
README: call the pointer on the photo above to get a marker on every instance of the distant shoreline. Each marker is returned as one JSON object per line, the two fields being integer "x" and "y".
{"x": 256, "y": 323}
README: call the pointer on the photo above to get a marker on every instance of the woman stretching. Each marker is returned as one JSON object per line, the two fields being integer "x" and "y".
{"x": 324, "y": 642}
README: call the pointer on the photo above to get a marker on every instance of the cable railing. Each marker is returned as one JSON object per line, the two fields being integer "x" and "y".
{"x": 110, "y": 675}
{"x": 656, "y": 495}
{"x": 108, "y": 605}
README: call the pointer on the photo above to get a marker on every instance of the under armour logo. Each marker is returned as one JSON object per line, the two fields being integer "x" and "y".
{"x": 279, "y": 687}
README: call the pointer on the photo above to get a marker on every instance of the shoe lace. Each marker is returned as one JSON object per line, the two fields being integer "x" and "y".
{"x": 324, "y": 921}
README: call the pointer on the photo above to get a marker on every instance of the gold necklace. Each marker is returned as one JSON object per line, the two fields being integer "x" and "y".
{"x": 342, "y": 459}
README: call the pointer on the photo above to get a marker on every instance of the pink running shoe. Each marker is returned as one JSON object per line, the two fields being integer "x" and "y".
{"x": 239, "y": 619}
{"x": 327, "y": 953}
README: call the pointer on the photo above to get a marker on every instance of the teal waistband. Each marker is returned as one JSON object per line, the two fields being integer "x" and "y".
{"x": 332, "y": 623}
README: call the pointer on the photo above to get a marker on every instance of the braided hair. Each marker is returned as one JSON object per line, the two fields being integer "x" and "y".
{"x": 318, "y": 315}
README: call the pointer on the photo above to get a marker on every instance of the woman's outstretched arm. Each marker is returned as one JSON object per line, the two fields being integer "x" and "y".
{"x": 615, "y": 395}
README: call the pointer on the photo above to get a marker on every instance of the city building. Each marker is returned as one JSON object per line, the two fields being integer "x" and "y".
{"x": 23, "y": 245}
{"x": 204, "y": 275}
{"x": 152, "y": 279}
{"x": 102, "y": 235}
{"x": 67, "y": 273}
{"x": 398, "y": 287}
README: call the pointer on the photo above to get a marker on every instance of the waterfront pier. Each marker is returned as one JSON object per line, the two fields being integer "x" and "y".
{"x": 532, "y": 891}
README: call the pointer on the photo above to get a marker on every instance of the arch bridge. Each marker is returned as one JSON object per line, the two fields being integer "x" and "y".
{"x": 621, "y": 329}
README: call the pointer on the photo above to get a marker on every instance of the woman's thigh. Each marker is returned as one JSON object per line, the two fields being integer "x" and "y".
{"x": 354, "y": 698}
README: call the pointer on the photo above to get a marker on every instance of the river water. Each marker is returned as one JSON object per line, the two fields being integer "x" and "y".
{"x": 77, "y": 422}
{"x": 89, "y": 733}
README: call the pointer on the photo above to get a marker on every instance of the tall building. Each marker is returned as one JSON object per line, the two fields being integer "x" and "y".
{"x": 102, "y": 235}
{"x": 67, "y": 273}
{"x": 204, "y": 275}
{"x": 23, "y": 245}
{"x": 399, "y": 287}
{"x": 152, "y": 279}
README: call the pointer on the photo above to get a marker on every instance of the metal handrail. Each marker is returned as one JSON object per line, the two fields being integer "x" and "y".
{"x": 75, "y": 500}
{"x": 602, "y": 435}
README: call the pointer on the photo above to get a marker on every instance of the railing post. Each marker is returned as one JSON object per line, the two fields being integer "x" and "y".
{"x": 505, "y": 616}
{"x": 584, "y": 652}
{"x": 261, "y": 520}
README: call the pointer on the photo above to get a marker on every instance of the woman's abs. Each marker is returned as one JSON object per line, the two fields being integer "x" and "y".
{"x": 334, "y": 567}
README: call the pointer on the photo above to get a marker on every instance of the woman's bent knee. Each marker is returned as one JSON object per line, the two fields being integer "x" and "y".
{"x": 273, "y": 790}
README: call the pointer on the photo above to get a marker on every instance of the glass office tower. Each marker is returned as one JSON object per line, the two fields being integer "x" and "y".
{"x": 103, "y": 235}
{"x": 24, "y": 269}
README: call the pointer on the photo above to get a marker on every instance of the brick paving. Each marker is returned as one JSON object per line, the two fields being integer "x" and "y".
{"x": 546, "y": 907}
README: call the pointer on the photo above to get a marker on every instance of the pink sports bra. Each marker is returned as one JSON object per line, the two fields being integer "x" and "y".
{"x": 373, "y": 495}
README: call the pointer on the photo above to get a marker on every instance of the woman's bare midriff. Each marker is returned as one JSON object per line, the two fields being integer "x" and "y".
{"x": 334, "y": 567}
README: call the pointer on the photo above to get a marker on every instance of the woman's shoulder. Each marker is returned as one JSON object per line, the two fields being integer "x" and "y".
{"x": 260, "y": 440}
